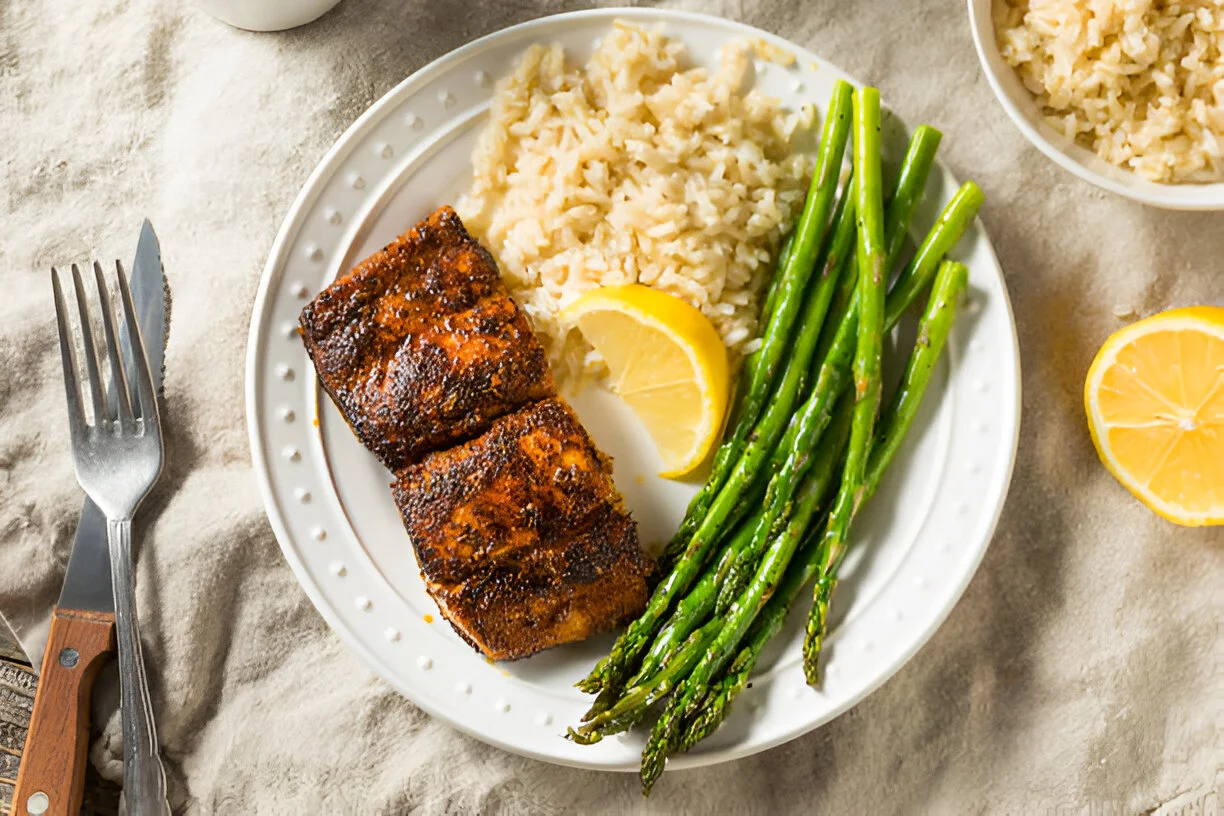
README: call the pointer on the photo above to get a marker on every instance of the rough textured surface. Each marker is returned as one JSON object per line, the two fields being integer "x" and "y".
{"x": 521, "y": 536}
{"x": 17, "y": 687}
{"x": 1080, "y": 672}
{"x": 421, "y": 346}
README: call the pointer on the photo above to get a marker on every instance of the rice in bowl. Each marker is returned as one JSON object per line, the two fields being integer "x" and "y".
{"x": 1139, "y": 82}
{"x": 633, "y": 169}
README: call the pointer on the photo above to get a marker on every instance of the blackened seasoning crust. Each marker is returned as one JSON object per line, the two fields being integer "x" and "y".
{"x": 521, "y": 536}
{"x": 421, "y": 346}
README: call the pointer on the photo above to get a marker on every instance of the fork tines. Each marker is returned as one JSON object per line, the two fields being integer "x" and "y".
{"x": 128, "y": 396}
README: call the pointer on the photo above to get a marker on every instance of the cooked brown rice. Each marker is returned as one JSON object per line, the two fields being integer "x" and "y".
{"x": 1140, "y": 82}
{"x": 628, "y": 169}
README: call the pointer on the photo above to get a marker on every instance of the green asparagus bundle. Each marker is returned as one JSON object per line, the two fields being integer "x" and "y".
{"x": 731, "y": 576}
{"x": 893, "y": 426}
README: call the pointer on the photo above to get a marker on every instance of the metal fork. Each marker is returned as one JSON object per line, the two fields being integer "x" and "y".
{"x": 117, "y": 452}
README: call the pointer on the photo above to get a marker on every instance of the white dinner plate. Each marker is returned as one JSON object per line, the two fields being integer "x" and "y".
{"x": 918, "y": 542}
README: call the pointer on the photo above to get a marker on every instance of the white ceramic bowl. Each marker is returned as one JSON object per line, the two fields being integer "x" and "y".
{"x": 1024, "y": 111}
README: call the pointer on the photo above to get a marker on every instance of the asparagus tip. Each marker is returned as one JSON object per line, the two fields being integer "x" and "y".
{"x": 653, "y": 762}
{"x": 582, "y": 736}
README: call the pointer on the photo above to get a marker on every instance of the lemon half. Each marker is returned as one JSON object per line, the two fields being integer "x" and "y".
{"x": 1155, "y": 402}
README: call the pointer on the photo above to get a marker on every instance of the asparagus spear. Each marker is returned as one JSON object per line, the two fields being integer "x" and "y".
{"x": 956, "y": 217}
{"x": 791, "y": 279}
{"x": 911, "y": 181}
{"x": 872, "y": 289}
{"x": 771, "y": 291}
{"x": 932, "y": 335}
{"x": 768, "y": 301}
{"x": 911, "y": 185}
{"x": 894, "y": 423}
{"x": 868, "y": 351}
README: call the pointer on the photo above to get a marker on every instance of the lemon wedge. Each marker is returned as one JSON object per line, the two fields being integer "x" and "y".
{"x": 1155, "y": 402}
{"x": 666, "y": 362}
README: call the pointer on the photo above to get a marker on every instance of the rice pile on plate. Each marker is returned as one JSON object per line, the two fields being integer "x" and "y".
{"x": 1140, "y": 82}
{"x": 634, "y": 169}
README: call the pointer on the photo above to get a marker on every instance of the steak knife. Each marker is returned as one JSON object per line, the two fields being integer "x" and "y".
{"x": 52, "y": 773}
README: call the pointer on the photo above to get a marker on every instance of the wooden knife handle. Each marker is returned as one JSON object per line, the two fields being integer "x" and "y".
{"x": 53, "y": 761}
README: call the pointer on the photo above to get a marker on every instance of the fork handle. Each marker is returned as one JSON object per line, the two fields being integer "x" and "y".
{"x": 51, "y": 779}
{"x": 144, "y": 778}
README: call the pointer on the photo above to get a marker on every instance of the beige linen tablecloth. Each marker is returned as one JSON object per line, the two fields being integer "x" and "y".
{"x": 1080, "y": 673}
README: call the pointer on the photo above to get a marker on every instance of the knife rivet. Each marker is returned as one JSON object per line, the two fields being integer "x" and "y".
{"x": 38, "y": 803}
{"x": 68, "y": 658}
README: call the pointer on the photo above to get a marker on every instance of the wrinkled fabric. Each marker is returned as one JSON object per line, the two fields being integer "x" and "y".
{"x": 1079, "y": 672}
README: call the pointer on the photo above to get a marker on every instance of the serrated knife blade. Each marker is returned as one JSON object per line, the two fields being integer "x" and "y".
{"x": 87, "y": 581}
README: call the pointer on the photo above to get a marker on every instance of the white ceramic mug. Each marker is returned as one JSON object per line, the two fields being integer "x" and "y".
{"x": 267, "y": 15}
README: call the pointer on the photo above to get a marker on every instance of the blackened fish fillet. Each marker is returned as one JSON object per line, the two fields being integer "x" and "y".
{"x": 421, "y": 346}
{"x": 521, "y": 536}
